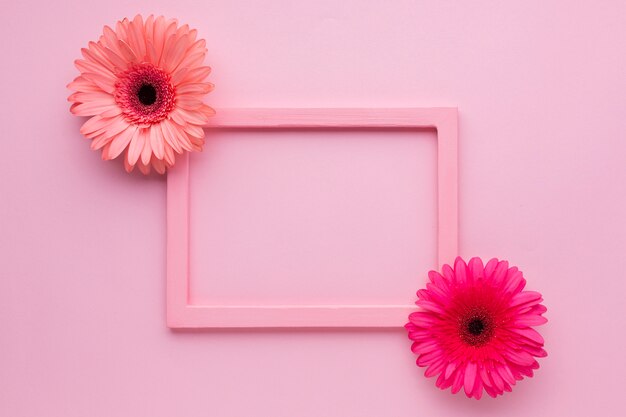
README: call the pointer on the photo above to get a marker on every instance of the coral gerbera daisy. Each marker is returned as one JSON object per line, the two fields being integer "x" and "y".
{"x": 142, "y": 85}
{"x": 474, "y": 329}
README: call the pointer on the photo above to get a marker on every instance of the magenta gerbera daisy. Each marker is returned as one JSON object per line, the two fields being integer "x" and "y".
{"x": 474, "y": 329}
{"x": 142, "y": 86}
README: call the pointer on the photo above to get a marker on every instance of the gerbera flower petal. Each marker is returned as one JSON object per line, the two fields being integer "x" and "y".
{"x": 106, "y": 84}
{"x": 127, "y": 52}
{"x": 142, "y": 84}
{"x": 490, "y": 267}
{"x": 525, "y": 297}
{"x": 94, "y": 124}
{"x": 195, "y": 88}
{"x": 100, "y": 141}
{"x": 474, "y": 327}
{"x": 500, "y": 272}
{"x": 137, "y": 38}
{"x": 135, "y": 147}
{"x": 530, "y": 334}
{"x": 116, "y": 58}
{"x": 121, "y": 141}
{"x": 157, "y": 142}
{"x": 92, "y": 108}
{"x": 469, "y": 378}
{"x": 95, "y": 53}
{"x": 513, "y": 279}
{"x": 170, "y": 136}
{"x": 184, "y": 75}
{"x": 176, "y": 54}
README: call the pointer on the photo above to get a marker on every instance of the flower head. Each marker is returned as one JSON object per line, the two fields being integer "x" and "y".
{"x": 142, "y": 86}
{"x": 475, "y": 327}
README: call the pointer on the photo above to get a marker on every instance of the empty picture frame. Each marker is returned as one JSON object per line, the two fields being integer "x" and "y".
{"x": 183, "y": 314}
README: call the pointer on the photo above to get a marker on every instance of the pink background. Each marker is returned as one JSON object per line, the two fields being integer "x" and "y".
{"x": 342, "y": 217}
{"x": 542, "y": 96}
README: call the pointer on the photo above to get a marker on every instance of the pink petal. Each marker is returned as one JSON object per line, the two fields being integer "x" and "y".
{"x": 490, "y": 267}
{"x": 95, "y": 68}
{"x": 491, "y": 391}
{"x": 149, "y": 28}
{"x": 484, "y": 376}
{"x": 428, "y": 358}
{"x": 438, "y": 280}
{"x": 193, "y": 75}
{"x": 100, "y": 141}
{"x": 127, "y": 52}
{"x": 178, "y": 135}
{"x": 497, "y": 380}
{"x": 176, "y": 53}
{"x": 145, "y": 169}
{"x": 146, "y": 153}
{"x": 478, "y": 389}
{"x": 81, "y": 84}
{"x": 434, "y": 369}
{"x": 448, "y": 273}
{"x": 94, "y": 124}
{"x": 431, "y": 306}
{"x": 513, "y": 278}
{"x": 92, "y": 108}
{"x": 421, "y": 319}
{"x": 519, "y": 357}
{"x": 458, "y": 381}
{"x": 158, "y": 166}
{"x": 105, "y": 83}
{"x": 128, "y": 167}
{"x": 450, "y": 369}
{"x": 169, "y": 154}
{"x": 91, "y": 96}
{"x": 121, "y": 141}
{"x": 500, "y": 272}
{"x": 117, "y": 125}
{"x": 121, "y": 29}
{"x": 530, "y": 320}
{"x": 158, "y": 37}
{"x": 115, "y": 58}
{"x": 193, "y": 60}
{"x": 195, "y": 88}
{"x": 506, "y": 374}
{"x": 422, "y": 294}
{"x": 424, "y": 347}
{"x": 470, "y": 378}
{"x": 151, "y": 54}
{"x": 135, "y": 147}
{"x": 170, "y": 41}
{"x": 193, "y": 117}
{"x": 113, "y": 111}
{"x": 525, "y": 297}
{"x": 136, "y": 38}
{"x": 194, "y": 130}
{"x": 460, "y": 270}
{"x": 157, "y": 142}
{"x": 530, "y": 334}
{"x": 190, "y": 103}
{"x": 476, "y": 268}
{"x": 436, "y": 293}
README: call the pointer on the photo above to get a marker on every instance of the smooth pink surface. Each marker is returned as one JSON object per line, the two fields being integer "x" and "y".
{"x": 542, "y": 96}
{"x": 316, "y": 225}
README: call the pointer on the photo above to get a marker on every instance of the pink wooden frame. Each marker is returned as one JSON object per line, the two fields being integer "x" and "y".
{"x": 181, "y": 314}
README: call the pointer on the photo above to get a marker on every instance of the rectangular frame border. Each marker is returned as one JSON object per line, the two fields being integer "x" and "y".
{"x": 181, "y": 314}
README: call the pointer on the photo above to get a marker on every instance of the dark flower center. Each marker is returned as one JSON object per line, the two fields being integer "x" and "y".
{"x": 475, "y": 326}
{"x": 147, "y": 94}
